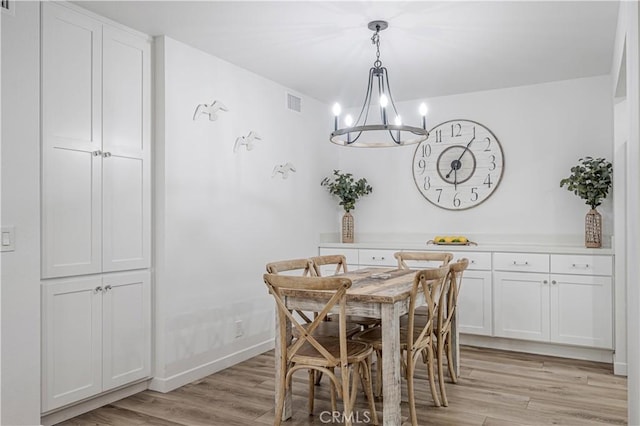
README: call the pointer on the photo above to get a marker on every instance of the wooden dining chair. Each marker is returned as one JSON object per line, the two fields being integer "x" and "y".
{"x": 340, "y": 263}
{"x": 415, "y": 340}
{"x": 305, "y": 267}
{"x": 447, "y": 307}
{"x": 421, "y": 260}
{"x": 322, "y": 354}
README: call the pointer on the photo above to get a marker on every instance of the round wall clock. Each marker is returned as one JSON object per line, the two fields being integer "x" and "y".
{"x": 459, "y": 165}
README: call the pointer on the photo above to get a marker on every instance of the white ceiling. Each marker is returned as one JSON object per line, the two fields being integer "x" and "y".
{"x": 431, "y": 48}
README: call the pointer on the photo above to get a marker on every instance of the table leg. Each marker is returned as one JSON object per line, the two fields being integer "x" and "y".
{"x": 280, "y": 352}
{"x": 391, "y": 381}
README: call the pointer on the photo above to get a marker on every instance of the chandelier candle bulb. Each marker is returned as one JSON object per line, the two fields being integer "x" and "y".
{"x": 348, "y": 120}
{"x": 336, "y": 112}
{"x": 423, "y": 112}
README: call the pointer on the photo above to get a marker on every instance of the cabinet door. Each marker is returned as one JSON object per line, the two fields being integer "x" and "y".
{"x": 72, "y": 341}
{"x": 126, "y": 328}
{"x": 581, "y": 310}
{"x": 521, "y": 305}
{"x": 71, "y": 138}
{"x": 474, "y": 303}
{"x": 126, "y": 146}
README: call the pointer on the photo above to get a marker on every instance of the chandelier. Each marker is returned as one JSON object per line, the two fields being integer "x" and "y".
{"x": 381, "y": 134}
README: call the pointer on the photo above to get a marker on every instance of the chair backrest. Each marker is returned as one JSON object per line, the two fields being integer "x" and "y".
{"x": 338, "y": 260}
{"x": 422, "y": 256}
{"x": 303, "y": 265}
{"x": 449, "y": 294}
{"x": 294, "y": 265}
{"x": 427, "y": 282}
{"x": 336, "y": 289}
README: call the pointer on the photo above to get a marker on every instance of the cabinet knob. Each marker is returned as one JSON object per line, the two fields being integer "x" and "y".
{"x": 106, "y": 155}
{"x": 545, "y": 282}
{"x": 97, "y": 289}
{"x": 554, "y": 282}
{"x": 96, "y": 153}
{"x": 107, "y": 288}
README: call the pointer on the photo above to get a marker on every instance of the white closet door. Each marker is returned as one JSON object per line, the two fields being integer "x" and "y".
{"x": 127, "y": 328}
{"x": 126, "y": 146}
{"x": 72, "y": 341}
{"x": 71, "y": 143}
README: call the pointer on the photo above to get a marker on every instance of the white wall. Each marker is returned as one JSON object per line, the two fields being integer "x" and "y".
{"x": 543, "y": 130}
{"x": 21, "y": 208}
{"x": 220, "y": 216}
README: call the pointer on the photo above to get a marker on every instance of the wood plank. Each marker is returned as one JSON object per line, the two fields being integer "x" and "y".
{"x": 495, "y": 388}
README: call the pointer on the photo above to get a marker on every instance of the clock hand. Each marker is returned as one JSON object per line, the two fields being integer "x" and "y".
{"x": 466, "y": 148}
{"x": 455, "y": 179}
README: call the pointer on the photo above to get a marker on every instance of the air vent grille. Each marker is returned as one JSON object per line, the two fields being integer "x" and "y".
{"x": 294, "y": 103}
{"x": 6, "y": 6}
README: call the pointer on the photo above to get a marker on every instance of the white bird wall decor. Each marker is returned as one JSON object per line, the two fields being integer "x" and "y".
{"x": 284, "y": 169}
{"x": 247, "y": 141}
{"x": 210, "y": 109}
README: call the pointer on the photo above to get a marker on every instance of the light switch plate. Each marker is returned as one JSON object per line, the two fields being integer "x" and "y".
{"x": 7, "y": 238}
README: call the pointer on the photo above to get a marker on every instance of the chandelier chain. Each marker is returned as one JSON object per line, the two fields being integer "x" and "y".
{"x": 375, "y": 39}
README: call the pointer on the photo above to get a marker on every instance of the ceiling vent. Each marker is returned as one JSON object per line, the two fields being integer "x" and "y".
{"x": 7, "y": 6}
{"x": 294, "y": 103}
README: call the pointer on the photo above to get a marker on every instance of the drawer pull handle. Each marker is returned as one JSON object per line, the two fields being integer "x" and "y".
{"x": 473, "y": 261}
{"x": 520, "y": 263}
{"x": 545, "y": 282}
{"x": 580, "y": 265}
{"x": 374, "y": 258}
{"x": 97, "y": 289}
{"x": 554, "y": 282}
{"x": 96, "y": 153}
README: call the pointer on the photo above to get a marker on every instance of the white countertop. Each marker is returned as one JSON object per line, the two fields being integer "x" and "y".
{"x": 560, "y": 246}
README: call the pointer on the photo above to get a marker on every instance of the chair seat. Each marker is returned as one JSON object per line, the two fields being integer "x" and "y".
{"x": 419, "y": 321}
{"x": 363, "y": 321}
{"x": 373, "y": 337}
{"x": 329, "y": 329}
{"x": 356, "y": 351}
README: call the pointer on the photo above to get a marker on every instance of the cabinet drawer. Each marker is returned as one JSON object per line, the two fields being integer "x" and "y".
{"x": 377, "y": 258}
{"x": 521, "y": 262}
{"x": 350, "y": 254}
{"x": 581, "y": 264}
{"x": 477, "y": 261}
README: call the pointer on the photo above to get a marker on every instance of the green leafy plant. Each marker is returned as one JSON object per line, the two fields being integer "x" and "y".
{"x": 590, "y": 180}
{"x": 345, "y": 187}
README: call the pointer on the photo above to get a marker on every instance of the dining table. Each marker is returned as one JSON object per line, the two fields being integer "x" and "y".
{"x": 377, "y": 293}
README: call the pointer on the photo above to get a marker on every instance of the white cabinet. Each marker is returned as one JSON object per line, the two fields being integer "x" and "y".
{"x": 474, "y": 309}
{"x": 521, "y": 305}
{"x": 377, "y": 257}
{"x": 95, "y": 146}
{"x": 571, "y": 308}
{"x": 96, "y": 335}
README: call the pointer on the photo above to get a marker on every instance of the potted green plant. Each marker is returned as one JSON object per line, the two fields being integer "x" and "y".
{"x": 348, "y": 190}
{"x": 590, "y": 180}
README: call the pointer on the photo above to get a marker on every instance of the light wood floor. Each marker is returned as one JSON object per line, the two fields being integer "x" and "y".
{"x": 496, "y": 388}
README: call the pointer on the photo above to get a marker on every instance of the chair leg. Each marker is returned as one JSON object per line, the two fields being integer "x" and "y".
{"x": 318, "y": 377}
{"x": 452, "y": 368}
{"x": 312, "y": 375}
{"x": 439, "y": 360}
{"x": 334, "y": 404}
{"x": 346, "y": 397}
{"x": 432, "y": 382}
{"x": 410, "y": 391}
{"x": 368, "y": 388}
{"x": 378, "y": 374}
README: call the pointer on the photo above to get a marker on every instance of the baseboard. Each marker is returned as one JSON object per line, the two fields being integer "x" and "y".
{"x": 91, "y": 404}
{"x": 540, "y": 348}
{"x": 168, "y": 384}
{"x": 620, "y": 368}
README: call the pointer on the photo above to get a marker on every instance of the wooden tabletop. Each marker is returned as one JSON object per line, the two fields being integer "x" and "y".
{"x": 371, "y": 285}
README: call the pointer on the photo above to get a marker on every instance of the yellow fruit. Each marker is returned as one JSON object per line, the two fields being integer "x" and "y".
{"x": 448, "y": 239}
{"x": 463, "y": 239}
{"x": 436, "y": 238}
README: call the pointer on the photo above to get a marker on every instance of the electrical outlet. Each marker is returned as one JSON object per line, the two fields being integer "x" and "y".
{"x": 239, "y": 328}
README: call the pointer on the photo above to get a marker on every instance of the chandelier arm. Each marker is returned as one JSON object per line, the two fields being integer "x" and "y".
{"x": 367, "y": 101}
{"x": 386, "y": 78}
{"x": 383, "y": 111}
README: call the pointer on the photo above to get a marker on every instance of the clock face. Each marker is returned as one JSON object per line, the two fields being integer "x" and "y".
{"x": 459, "y": 165}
